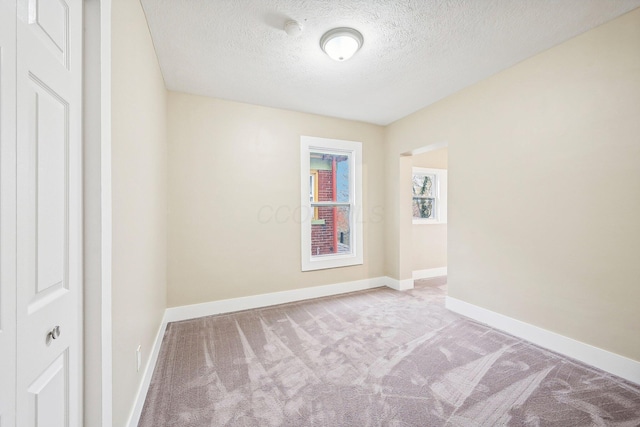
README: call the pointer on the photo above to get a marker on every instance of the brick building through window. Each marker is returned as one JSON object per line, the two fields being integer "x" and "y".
{"x": 329, "y": 179}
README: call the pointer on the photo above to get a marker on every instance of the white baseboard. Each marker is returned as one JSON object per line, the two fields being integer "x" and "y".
{"x": 134, "y": 418}
{"x": 607, "y": 361}
{"x": 174, "y": 314}
{"x": 400, "y": 285}
{"x": 429, "y": 273}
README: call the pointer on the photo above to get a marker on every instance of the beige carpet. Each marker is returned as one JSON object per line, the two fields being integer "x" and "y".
{"x": 372, "y": 358}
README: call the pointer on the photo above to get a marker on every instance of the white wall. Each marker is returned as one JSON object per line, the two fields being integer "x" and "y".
{"x": 429, "y": 241}
{"x": 544, "y": 188}
{"x": 234, "y": 186}
{"x": 139, "y": 176}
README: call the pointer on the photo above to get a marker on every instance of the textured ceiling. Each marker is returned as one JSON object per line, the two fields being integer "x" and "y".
{"x": 415, "y": 52}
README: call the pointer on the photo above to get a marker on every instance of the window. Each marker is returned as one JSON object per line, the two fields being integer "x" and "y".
{"x": 331, "y": 198}
{"x": 429, "y": 196}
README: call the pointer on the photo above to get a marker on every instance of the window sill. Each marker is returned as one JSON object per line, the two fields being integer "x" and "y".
{"x": 323, "y": 262}
{"x": 317, "y": 222}
{"x": 419, "y": 221}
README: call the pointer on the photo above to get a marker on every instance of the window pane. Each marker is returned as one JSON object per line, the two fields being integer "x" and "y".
{"x": 424, "y": 185}
{"x": 331, "y": 232}
{"x": 342, "y": 178}
{"x": 312, "y": 188}
{"x": 332, "y": 173}
{"x": 424, "y": 208}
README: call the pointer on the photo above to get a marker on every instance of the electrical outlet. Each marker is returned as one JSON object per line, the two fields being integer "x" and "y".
{"x": 138, "y": 358}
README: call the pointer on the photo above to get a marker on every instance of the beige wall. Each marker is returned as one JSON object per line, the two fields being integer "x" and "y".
{"x": 544, "y": 187}
{"x": 429, "y": 241}
{"x": 436, "y": 159}
{"x": 139, "y": 200}
{"x": 234, "y": 185}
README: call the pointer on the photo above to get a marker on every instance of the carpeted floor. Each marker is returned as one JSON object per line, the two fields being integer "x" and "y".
{"x": 372, "y": 358}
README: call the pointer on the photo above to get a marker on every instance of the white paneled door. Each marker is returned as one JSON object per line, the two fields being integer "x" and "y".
{"x": 49, "y": 212}
{"x": 7, "y": 212}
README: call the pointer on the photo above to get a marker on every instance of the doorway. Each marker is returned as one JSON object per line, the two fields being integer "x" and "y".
{"x": 424, "y": 212}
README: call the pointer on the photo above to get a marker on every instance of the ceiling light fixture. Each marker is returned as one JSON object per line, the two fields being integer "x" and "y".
{"x": 341, "y": 43}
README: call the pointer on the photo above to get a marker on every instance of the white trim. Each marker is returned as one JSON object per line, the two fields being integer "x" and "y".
{"x": 400, "y": 285}
{"x": 106, "y": 214}
{"x": 174, "y": 314}
{"x": 429, "y": 273}
{"x": 141, "y": 396}
{"x": 607, "y": 361}
{"x": 98, "y": 389}
{"x": 310, "y": 144}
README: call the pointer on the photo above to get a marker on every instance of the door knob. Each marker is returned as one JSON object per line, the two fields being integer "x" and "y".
{"x": 55, "y": 332}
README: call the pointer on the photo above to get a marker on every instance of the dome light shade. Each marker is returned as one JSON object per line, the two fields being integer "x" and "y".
{"x": 341, "y": 43}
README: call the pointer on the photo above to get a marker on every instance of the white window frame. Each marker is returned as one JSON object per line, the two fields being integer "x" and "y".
{"x": 308, "y": 145}
{"x": 440, "y": 195}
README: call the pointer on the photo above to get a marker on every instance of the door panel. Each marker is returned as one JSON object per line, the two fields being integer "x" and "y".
{"x": 48, "y": 114}
{"x": 51, "y": 25}
{"x": 7, "y": 212}
{"x": 48, "y": 394}
{"x": 49, "y": 208}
